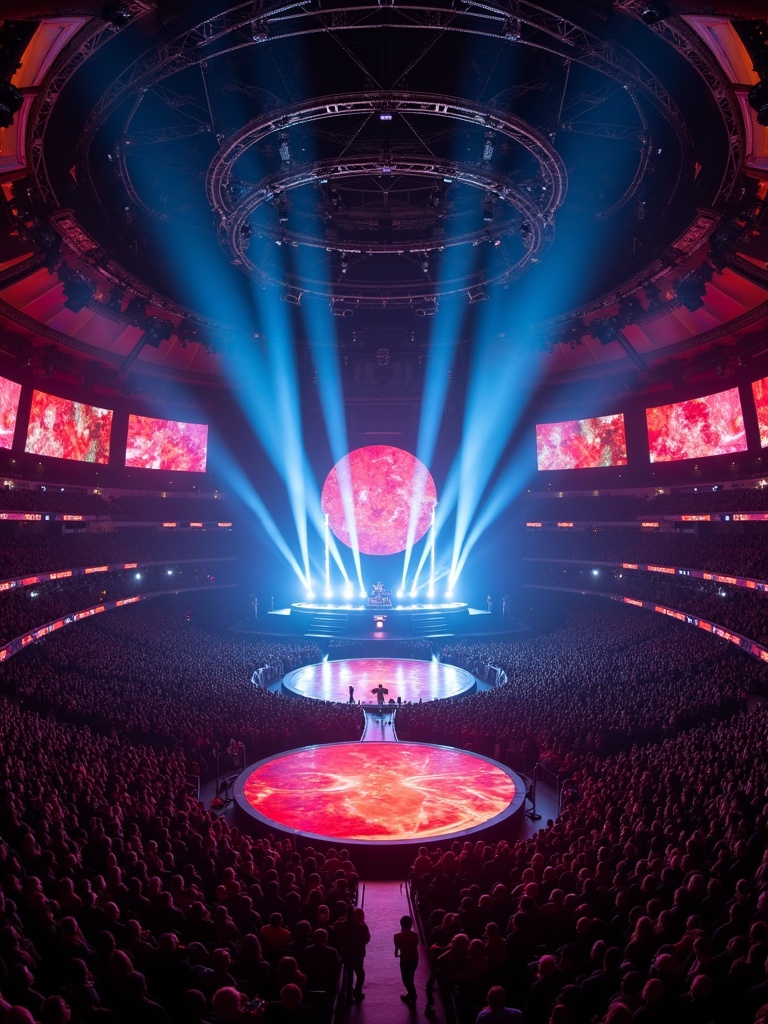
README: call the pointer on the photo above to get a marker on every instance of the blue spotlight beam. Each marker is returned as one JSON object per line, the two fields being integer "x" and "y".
{"x": 322, "y": 343}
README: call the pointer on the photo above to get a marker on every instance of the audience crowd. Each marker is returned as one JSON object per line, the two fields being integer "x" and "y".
{"x": 724, "y": 553}
{"x": 23, "y": 553}
{"x": 610, "y": 678}
{"x": 122, "y": 900}
{"x": 24, "y": 608}
{"x": 170, "y": 683}
{"x": 646, "y": 901}
{"x": 739, "y": 609}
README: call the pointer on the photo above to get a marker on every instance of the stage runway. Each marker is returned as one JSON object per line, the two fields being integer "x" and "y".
{"x": 379, "y": 793}
{"x": 410, "y": 680}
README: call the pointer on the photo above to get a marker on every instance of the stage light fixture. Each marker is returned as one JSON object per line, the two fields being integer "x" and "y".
{"x": 156, "y": 331}
{"x": 136, "y": 311}
{"x": 362, "y": 593}
{"x": 652, "y": 14}
{"x": 284, "y": 148}
{"x": 691, "y": 291}
{"x": 138, "y": 576}
{"x": 488, "y": 148}
{"x": 412, "y": 593}
{"x": 477, "y": 294}
{"x": 116, "y": 13}
{"x": 758, "y": 100}
{"x": 400, "y": 592}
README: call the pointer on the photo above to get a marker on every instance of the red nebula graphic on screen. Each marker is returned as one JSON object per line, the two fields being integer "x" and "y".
{"x": 166, "y": 444}
{"x": 582, "y": 444}
{"x": 712, "y": 425}
{"x": 385, "y": 484}
{"x": 68, "y": 430}
{"x": 760, "y": 394}
{"x": 9, "y": 404}
{"x": 379, "y": 791}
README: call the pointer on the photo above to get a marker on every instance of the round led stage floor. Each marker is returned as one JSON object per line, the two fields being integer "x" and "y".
{"x": 410, "y": 680}
{"x": 379, "y": 794}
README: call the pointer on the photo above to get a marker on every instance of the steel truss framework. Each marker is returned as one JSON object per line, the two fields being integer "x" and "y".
{"x": 236, "y": 29}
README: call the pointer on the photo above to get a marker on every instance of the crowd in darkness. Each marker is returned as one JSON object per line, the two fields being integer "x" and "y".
{"x": 615, "y": 507}
{"x": 608, "y": 679}
{"x": 724, "y": 553}
{"x": 646, "y": 902}
{"x": 122, "y": 900}
{"x": 23, "y": 552}
{"x": 24, "y": 608}
{"x": 738, "y": 608}
{"x": 170, "y": 683}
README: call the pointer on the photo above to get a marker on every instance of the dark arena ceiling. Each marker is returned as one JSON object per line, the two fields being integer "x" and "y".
{"x": 583, "y": 179}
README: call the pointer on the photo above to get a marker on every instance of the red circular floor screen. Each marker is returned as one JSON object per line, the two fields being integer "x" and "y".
{"x": 383, "y": 484}
{"x": 378, "y": 791}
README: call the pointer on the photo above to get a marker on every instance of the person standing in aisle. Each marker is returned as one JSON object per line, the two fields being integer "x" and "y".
{"x": 407, "y": 951}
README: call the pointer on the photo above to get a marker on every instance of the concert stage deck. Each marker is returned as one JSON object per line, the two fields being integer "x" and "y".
{"x": 380, "y": 797}
{"x": 396, "y": 621}
{"x": 408, "y": 679}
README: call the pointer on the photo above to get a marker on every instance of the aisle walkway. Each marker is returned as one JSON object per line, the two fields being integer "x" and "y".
{"x": 385, "y": 903}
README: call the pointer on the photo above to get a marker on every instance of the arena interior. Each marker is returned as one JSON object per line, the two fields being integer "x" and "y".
{"x": 383, "y": 512}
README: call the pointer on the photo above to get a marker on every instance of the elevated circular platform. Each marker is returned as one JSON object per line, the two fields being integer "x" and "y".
{"x": 410, "y": 680}
{"x": 379, "y": 622}
{"x": 380, "y": 795}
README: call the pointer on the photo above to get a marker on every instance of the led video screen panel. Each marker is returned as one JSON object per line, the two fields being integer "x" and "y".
{"x": 166, "y": 444}
{"x": 698, "y": 428}
{"x": 382, "y": 485}
{"x": 582, "y": 444}
{"x": 62, "y": 429}
{"x": 760, "y": 394}
{"x": 10, "y": 392}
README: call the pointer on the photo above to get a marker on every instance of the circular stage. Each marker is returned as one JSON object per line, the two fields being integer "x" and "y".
{"x": 410, "y": 680}
{"x": 379, "y": 794}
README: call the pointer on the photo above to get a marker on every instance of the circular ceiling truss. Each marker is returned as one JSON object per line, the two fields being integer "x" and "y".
{"x": 536, "y": 229}
{"x": 236, "y": 28}
{"x": 554, "y": 177}
{"x": 535, "y": 200}
{"x": 521, "y": 24}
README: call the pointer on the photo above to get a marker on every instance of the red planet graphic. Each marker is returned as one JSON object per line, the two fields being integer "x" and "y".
{"x": 385, "y": 483}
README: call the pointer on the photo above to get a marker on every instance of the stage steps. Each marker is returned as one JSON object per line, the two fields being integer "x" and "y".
{"x": 329, "y": 623}
{"x": 429, "y": 623}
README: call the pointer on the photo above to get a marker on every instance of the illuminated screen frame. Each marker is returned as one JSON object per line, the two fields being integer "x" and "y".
{"x": 10, "y": 394}
{"x": 760, "y": 398}
{"x": 568, "y": 444}
{"x": 681, "y": 430}
{"x": 59, "y": 428}
{"x": 152, "y": 428}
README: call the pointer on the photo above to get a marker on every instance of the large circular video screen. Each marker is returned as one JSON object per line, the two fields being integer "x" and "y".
{"x": 380, "y": 792}
{"x": 385, "y": 484}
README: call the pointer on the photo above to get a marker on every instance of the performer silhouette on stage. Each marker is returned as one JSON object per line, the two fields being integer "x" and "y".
{"x": 380, "y": 692}
{"x": 351, "y": 694}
